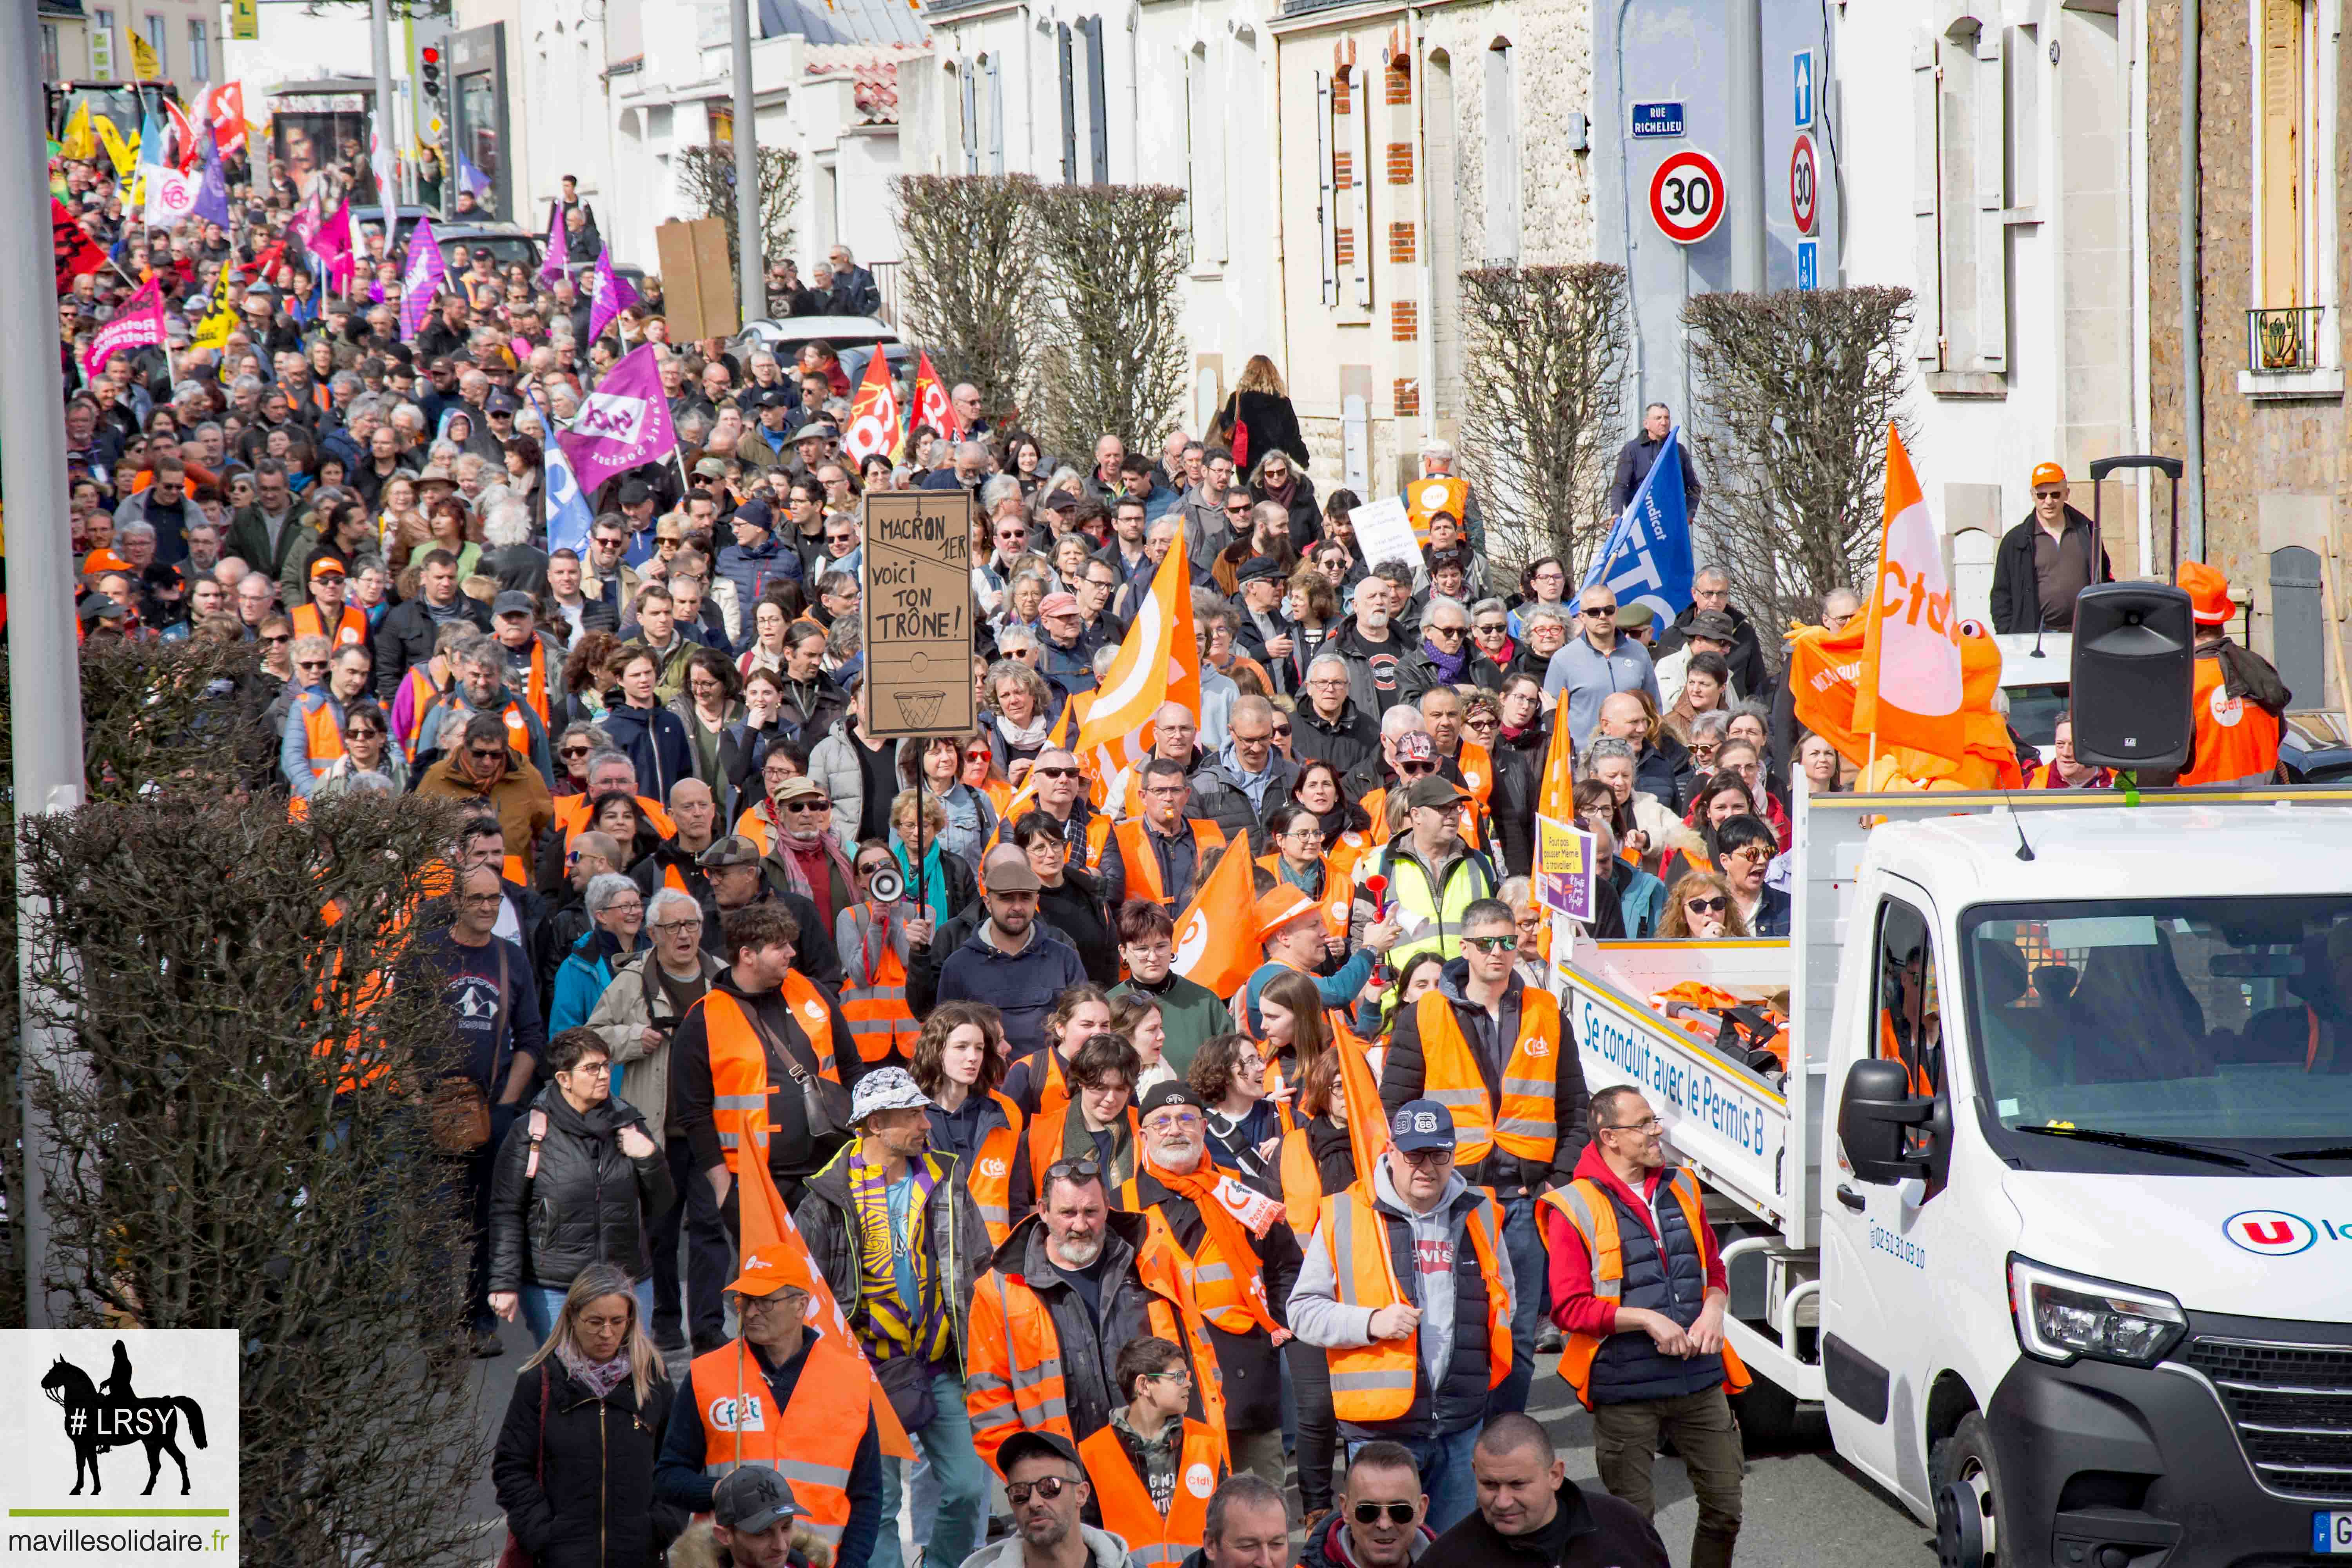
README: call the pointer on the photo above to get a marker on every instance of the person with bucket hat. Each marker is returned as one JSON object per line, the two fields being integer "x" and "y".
{"x": 1414, "y": 1352}
{"x": 1295, "y": 931}
{"x": 2046, "y": 561}
{"x": 782, "y": 1394}
{"x": 901, "y": 1243}
{"x": 2238, "y": 701}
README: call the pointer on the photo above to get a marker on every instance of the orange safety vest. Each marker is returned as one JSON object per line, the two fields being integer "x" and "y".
{"x": 534, "y": 689}
{"x": 1154, "y": 1540}
{"x": 739, "y": 1062}
{"x": 2237, "y": 741}
{"x": 740, "y": 1425}
{"x": 351, "y": 630}
{"x": 1891, "y": 1048}
{"x": 990, "y": 1179}
{"x": 1337, "y": 892}
{"x": 1143, "y": 863}
{"x": 1012, "y": 1374}
{"x": 420, "y": 704}
{"x": 1221, "y": 1286}
{"x": 1375, "y": 1383}
{"x": 571, "y": 815}
{"x": 1302, "y": 1182}
{"x": 753, "y": 825}
{"x": 1528, "y": 1124}
{"x": 1589, "y": 1210}
{"x": 874, "y": 996}
{"x": 1425, "y": 497}
{"x": 322, "y": 734}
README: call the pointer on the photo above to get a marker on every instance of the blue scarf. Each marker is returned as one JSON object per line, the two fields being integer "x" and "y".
{"x": 1450, "y": 666}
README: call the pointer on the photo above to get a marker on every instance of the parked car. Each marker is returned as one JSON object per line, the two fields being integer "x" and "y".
{"x": 506, "y": 243}
{"x": 854, "y": 338}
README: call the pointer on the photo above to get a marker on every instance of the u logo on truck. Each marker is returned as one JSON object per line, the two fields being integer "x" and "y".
{"x": 2270, "y": 1232}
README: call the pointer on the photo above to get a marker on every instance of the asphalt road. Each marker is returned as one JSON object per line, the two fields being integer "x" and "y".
{"x": 1803, "y": 1506}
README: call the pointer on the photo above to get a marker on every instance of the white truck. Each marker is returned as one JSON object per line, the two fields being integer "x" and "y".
{"x": 2052, "y": 1209}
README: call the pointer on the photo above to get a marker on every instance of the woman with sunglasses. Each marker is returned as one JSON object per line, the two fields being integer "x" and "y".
{"x": 1278, "y": 478}
{"x": 1699, "y": 906}
{"x": 935, "y": 762}
{"x": 367, "y": 748}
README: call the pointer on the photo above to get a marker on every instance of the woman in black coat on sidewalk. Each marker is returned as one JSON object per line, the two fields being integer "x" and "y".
{"x": 574, "y": 1464}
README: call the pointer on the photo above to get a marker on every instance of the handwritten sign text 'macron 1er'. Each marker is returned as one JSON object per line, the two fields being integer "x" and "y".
{"x": 917, "y": 610}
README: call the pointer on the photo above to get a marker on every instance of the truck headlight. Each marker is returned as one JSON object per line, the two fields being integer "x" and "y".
{"x": 2060, "y": 1317}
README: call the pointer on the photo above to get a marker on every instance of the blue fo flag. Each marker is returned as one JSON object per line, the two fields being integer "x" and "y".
{"x": 568, "y": 517}
{"x": 1646, "y": 558}
{"x": 471, "y": 178}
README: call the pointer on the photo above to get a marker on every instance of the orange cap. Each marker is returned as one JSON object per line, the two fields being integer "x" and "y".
{"x": 2209, "y": 592}
{"x": 770, "y": 1268}
{"x": 2048, "y": 474}
{"x": 1280, "y": 905}
{"x": 106, "y": 560}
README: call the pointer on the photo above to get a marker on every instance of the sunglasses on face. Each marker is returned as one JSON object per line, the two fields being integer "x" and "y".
{"x": 1054, "y": 773}
{"x": 810, "y": 805}
{"x": 1415, "y": 770}
{"x": 1492, "y": 944}
{"x": 309, "y": 664}
{"x": 1397, "y": 1512}
{"x": 1449, "y": 632}
{"x": 1597, "y": 611}
{"x": 281, "y": 637}
{"x": 1710, "y": 905}
{"x": 572, "y": 754}
{"x": 362, "y": 733}
{"x": 1046, "y": 1486}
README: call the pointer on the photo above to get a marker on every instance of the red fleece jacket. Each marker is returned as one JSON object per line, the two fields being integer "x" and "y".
{"x": 1574, "y": 1307}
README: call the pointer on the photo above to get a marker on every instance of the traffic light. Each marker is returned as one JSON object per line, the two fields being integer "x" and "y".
{"x": 429, "y": 73}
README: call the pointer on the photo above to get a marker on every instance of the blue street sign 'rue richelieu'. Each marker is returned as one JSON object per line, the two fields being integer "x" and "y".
{"x": 1657, "y": 120}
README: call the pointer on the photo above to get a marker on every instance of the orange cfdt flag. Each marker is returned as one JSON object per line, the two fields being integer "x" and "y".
{"x": 773, "y": 1243}
{"x": 1910, "y": 691}
{"x": 1158, "y": 662}
{"x": 1824, "y": 668}
{"x": 1216, "y": 941}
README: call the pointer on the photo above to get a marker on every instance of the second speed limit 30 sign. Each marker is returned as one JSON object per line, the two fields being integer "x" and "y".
{"x": 1804, "y": 184}
{"x": 1687, "y": 197}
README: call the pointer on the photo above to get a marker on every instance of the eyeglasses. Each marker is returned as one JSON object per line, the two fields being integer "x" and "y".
{"x": 1652, "y": 1125}
{"x": 1178, "y": 1122}
{"x": 1082, "y": 1170}
{"x": 1714, "y": 906}
{"x": 977, "y": 753}
{"x": 1425, "y": 1158}
{"x": 1597, "y": 610}
{"x": 309, "y": 664}
{"x": 362, "y": 733}
{"x": 1282, "y": 731}
{"x": 1492, "y": 944}
{"x": 671, "y": 928}
{"x": 1415, "y": 770}
{"x": 1493, "y": 629}
{"x": 592, "y": 1069}
{"x": 1447, "y": 632}
{"x": 1308, "y": 835}
{"x": 572, "y": 754}
{"x": 279, "y": 637}
{"x": 1046, "y": 1486}
{"x": 1754, "y": 854}
{"x": 1239, "y": 509}
{"x": 1397, "y": 1512}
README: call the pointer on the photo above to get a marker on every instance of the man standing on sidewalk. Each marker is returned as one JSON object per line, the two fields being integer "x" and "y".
{"x": 1638, "y": 1286}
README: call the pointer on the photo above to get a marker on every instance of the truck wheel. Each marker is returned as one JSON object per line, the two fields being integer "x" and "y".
{"x": 1969, "y": 1525}
{"x": 1772, "y": 1420}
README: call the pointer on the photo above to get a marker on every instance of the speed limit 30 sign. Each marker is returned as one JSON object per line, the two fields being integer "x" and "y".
{"x": 1804, "y": 184}
{"x": 1687, "y": 197}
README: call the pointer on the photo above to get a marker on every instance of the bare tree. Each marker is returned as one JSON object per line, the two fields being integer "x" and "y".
{"x": 1794, "y": 395}
{"x": 1113, "y": 351}
{"x": 971, "y": 281}
{"x": 706, "y": 178}
{"x": 1540, "y": 415}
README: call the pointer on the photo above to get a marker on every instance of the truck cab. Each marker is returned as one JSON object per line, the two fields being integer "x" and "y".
{"x": 2084, "y": 1296}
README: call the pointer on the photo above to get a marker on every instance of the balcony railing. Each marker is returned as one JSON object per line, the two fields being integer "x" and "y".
{"x": 2283, "y": 342}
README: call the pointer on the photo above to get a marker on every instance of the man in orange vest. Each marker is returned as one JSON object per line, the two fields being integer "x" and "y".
{"x": 1499, "y": 1054}
{"x": 326, "y": 616}
{"x": 1407, "y": 1286}
{"x": 1243, "y": 1260}
{"x": 1074, "y": 1280}
{"x": 533, "y": 661}
{"x": 1153, "y": 1469}
{"x": 778, "y": 1396}
{"x": 1163, "y": 854}
{"x": 761, "y": 1036}
{"x": 2238, "y": 700}
{"x": 1641, "y": 1292}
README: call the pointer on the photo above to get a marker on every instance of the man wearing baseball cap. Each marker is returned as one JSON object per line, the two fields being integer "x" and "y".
{"x": 754, "y": 1523}
{"x": 2046, "y": 561}
{"x": 2238, "y": 700}
{"x": 1012, "y": 962}
{"x": 1066, "y": 643}
{"x": 1048, "y": 1487}
{"x": 1434, "y": 874}
{"x": 534, "y": 662}
{"x": 1414, "y": 1352}
{"x": 786, "y": 1394}
{"x": 326, "y": 616}
{"x": 893, "y": 1226}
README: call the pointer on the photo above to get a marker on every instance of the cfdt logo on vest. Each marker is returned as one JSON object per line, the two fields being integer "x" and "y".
{"x": 2275, "y": 1233}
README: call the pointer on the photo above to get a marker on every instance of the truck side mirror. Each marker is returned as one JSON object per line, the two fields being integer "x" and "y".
{"x": 1878, "y": 1105}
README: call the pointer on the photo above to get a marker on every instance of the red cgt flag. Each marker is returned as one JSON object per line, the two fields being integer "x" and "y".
{"x": 933, "y": 407}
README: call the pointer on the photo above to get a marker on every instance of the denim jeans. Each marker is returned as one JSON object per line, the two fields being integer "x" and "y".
{"x": 954, "y": 1531}
{"x": 1445, "y": 1474}
{"x": 689, "y": 1307}
{"x": 542, "y": 1305}
{"x": 1531, "y": 1295}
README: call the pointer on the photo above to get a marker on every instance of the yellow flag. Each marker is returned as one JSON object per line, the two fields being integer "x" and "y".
{"x": 144, "y": 66}
{"x": 213, "y": 332}
{"x": 78, "y": 142}
{"x": 116, "y": 147}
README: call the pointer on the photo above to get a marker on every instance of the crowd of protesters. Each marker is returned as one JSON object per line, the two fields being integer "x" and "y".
{"x": 1116, "y": 1245}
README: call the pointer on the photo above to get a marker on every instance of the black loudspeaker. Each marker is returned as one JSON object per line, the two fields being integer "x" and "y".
{"x": 2135, "y": 666}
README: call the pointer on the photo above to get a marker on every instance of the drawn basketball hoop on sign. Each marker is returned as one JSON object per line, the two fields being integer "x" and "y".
{"x": 919, "y": 709}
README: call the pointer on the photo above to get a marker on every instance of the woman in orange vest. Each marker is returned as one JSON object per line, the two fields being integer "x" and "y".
{"x": 1153, "y": 1467}
{"x": 958, "y": 1062}
{"x": 1098, "y": 1119}
{"x": 1299, "y": 859}
{"x": 873, "y": 943}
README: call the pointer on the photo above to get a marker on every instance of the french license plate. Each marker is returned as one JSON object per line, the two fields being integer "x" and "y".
{"x": 2331, "y": 1534}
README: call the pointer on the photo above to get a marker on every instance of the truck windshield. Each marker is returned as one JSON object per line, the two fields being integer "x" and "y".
{"x": 2225, "y": 1021}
